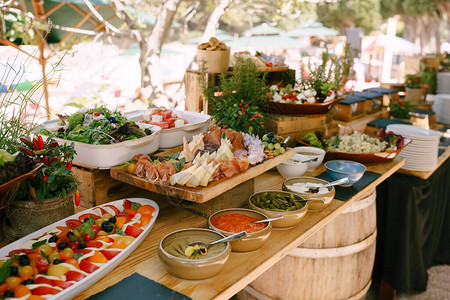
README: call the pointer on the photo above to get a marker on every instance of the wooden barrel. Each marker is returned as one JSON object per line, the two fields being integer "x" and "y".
{"x": 334, "y": 263}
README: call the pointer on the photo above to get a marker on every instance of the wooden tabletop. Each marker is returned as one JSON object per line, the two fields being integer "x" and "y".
{"x": 241, "y": 268}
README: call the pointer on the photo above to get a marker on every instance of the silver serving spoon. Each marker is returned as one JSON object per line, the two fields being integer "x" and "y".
{"x": 269, "y": 219}
{"x": 314, "y": 189}
{"x": 229, "y": 238}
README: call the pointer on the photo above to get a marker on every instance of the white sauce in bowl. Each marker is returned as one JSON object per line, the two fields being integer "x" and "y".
{"x": 301, "y": 187}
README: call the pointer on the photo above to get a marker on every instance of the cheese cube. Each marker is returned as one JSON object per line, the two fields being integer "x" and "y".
{"x": 179, "y": 123}
{"x": 157, "y": 118}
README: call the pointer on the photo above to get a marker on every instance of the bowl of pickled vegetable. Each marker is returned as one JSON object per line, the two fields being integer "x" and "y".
{"x": 193, "y": 265}
{"x": 311, "y": 189}
{"x": 234, "y": 220}
{"x": 276, "y": 203}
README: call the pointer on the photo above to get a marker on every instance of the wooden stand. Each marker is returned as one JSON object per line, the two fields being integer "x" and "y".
{"x": 350, "y": 112}
{"x": 373, "y": 105}
{"x": 294, "y": 126}
{"x": 97, "y": 187}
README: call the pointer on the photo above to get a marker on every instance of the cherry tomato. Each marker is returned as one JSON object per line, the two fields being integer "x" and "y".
{"x": 66, "y": 253}
{"x": 73, "y": 223}
{"x": 130, "y": 211}
{"x": 26, "y": 270}
{"x": 74, "y": 276}
{"x": 12, "y": 282}
{"x": 146, "y": 210}
{"x": 87, "y": 266}
{"x": 96, "y": 229}
{"x": 133, "y": 231}
{"x": 128, "y": 216}
{"x": 131, "y": 168}
{"x": 54, "y": 255}
{"x": 41, "y": 264}
{"x": 46, "y": 248}
{"x": 87, "y": 237}
{"x": 73, "y": 245}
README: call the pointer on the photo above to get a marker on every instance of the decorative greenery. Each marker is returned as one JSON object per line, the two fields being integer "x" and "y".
{"x": 56, "y": 178}
{"x": 329, "y": 74}
{"x": 401, "y": 109}
{"x": 429, "y": 78}
{"x": 413, "y": 81}
{"x": 238, "y": 99}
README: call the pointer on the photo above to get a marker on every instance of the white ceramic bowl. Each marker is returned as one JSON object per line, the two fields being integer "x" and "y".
{"x": 309, "y": 153}
{"x": 290, "y": 168}
{"x": 173, "y": 137}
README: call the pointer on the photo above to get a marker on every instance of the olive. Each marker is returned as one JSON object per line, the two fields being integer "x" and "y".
{"x": 85, "y": 220}
{"x": 57, "y": 261}
{"x": 28, "y": 281}
{"x": 14, "y": 270}
{"x": 274, "y": 140}
{"x": 104, "y": 223}
{"x": 62, "y": 245}
{"x": 8, "y": 293}
{"x": 69, "y": 234}
{"x": 53, "y": 239}
{"x": 283, "y": 145}
{"x": 270, "y": 135}
{"x": 24, "y": 260}
{"x": 81, "y": 245}
{"x": 112, "y": 220}
{"x": 107, "y": 228}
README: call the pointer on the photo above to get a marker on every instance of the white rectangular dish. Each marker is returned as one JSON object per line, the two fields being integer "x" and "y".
{"x": 85, "y": 283}
{"x": 107, "y": 156}
{"x": 173, "y": 137}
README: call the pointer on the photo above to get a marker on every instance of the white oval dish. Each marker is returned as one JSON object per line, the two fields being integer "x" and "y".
{"x": 173, "y": 137}
{"x": 107, "y": 156}
{"x": 85, "y": 283}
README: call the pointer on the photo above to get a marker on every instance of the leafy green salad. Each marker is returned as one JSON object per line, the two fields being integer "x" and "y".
{"x": 97, "y": 126}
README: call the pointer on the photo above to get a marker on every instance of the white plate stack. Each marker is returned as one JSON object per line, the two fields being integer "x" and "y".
{"x": 422, "y": 153}
{"x": 441, "y": 106}
{"x": 443, "y": 82}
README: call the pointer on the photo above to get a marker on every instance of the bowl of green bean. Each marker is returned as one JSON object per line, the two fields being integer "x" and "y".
{"x": 276, "y": 203}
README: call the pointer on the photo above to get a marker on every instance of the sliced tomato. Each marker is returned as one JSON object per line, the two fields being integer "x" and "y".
{"x": 120, "y": 221}
{"x": 116, "y": 210}
{"x": 84, "y": 216}
{"x": 163, "y": 125}
{"x": 87, "y": 266}
{"x": 43, "y": 280}
{"x": 110, "y": 253}
{"x": 126, "y": 215}
{"x": 98, "y": 257}
{"x": 41, "y": 264}
{"x": 74, "y": 276}
{"x": 73, "y": 245}
{"x": 133, "y": 231}
{"x": 73, "y": 223}
{"x": 62, "y": 284}
{"x": 93, "y": 244}
{"x": 21, "y": 251}
{"x": 45, "y": 290}
{"x": 130, "y": 211}
{"x": 166, "y": 114}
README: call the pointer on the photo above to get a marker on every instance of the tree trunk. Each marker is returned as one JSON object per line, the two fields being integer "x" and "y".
{"x": 152, "y": 88}
{"x": 213, "y": 21}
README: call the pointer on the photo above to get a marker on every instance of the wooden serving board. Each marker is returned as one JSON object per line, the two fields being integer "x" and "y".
{"x": 199, "y": 194}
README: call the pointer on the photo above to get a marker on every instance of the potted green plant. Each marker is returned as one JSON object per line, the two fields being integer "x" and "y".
{"x": 401, "y": 109}
{"x": 414, "y": 87}
{"x": 47, "y": 196}
{"x": 237, "y": 100}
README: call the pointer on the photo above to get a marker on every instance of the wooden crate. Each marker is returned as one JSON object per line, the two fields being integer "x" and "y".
{"x": 413, "y": 63}
{"x": 373, "y": 105}
{"x": 349, "y": 112}
{"x": 97, "y": 187}
{"x": 282, "y": 124}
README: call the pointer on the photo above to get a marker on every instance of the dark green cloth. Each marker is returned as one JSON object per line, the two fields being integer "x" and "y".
{"x": 413, "y": 228}
{"x": 138, "y": 287}
{"x": 384, "y": 122}
{"x": 345, "y": 193}
{"x": 381, "y": 90}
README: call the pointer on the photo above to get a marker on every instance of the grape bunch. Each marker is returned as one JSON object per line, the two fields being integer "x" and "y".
{"x": 273, "y": 144}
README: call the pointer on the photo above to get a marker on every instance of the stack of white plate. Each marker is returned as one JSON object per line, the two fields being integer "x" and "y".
{"x": 422, "y": 153}
{"x": 441, "y": 106}
{"x": 443, "y": 83}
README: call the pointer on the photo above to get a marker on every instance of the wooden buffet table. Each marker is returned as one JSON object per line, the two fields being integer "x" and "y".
{"x": 241, "y": 268}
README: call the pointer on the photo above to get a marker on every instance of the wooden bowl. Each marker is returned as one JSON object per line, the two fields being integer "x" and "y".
{"x": 253, "y": 240}
{"x": 316, "y": 201}
{"x": 291, "y": 218}
{"x": 302, "y": 109}
{"x": 193, "y": 269}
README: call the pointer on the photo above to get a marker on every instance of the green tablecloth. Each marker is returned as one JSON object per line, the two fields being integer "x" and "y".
{"x": 413, "y": 220}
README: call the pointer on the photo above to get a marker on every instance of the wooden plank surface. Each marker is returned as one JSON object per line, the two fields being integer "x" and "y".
{"x": 200, "y": 194}
{"x": 241, "y": 268}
